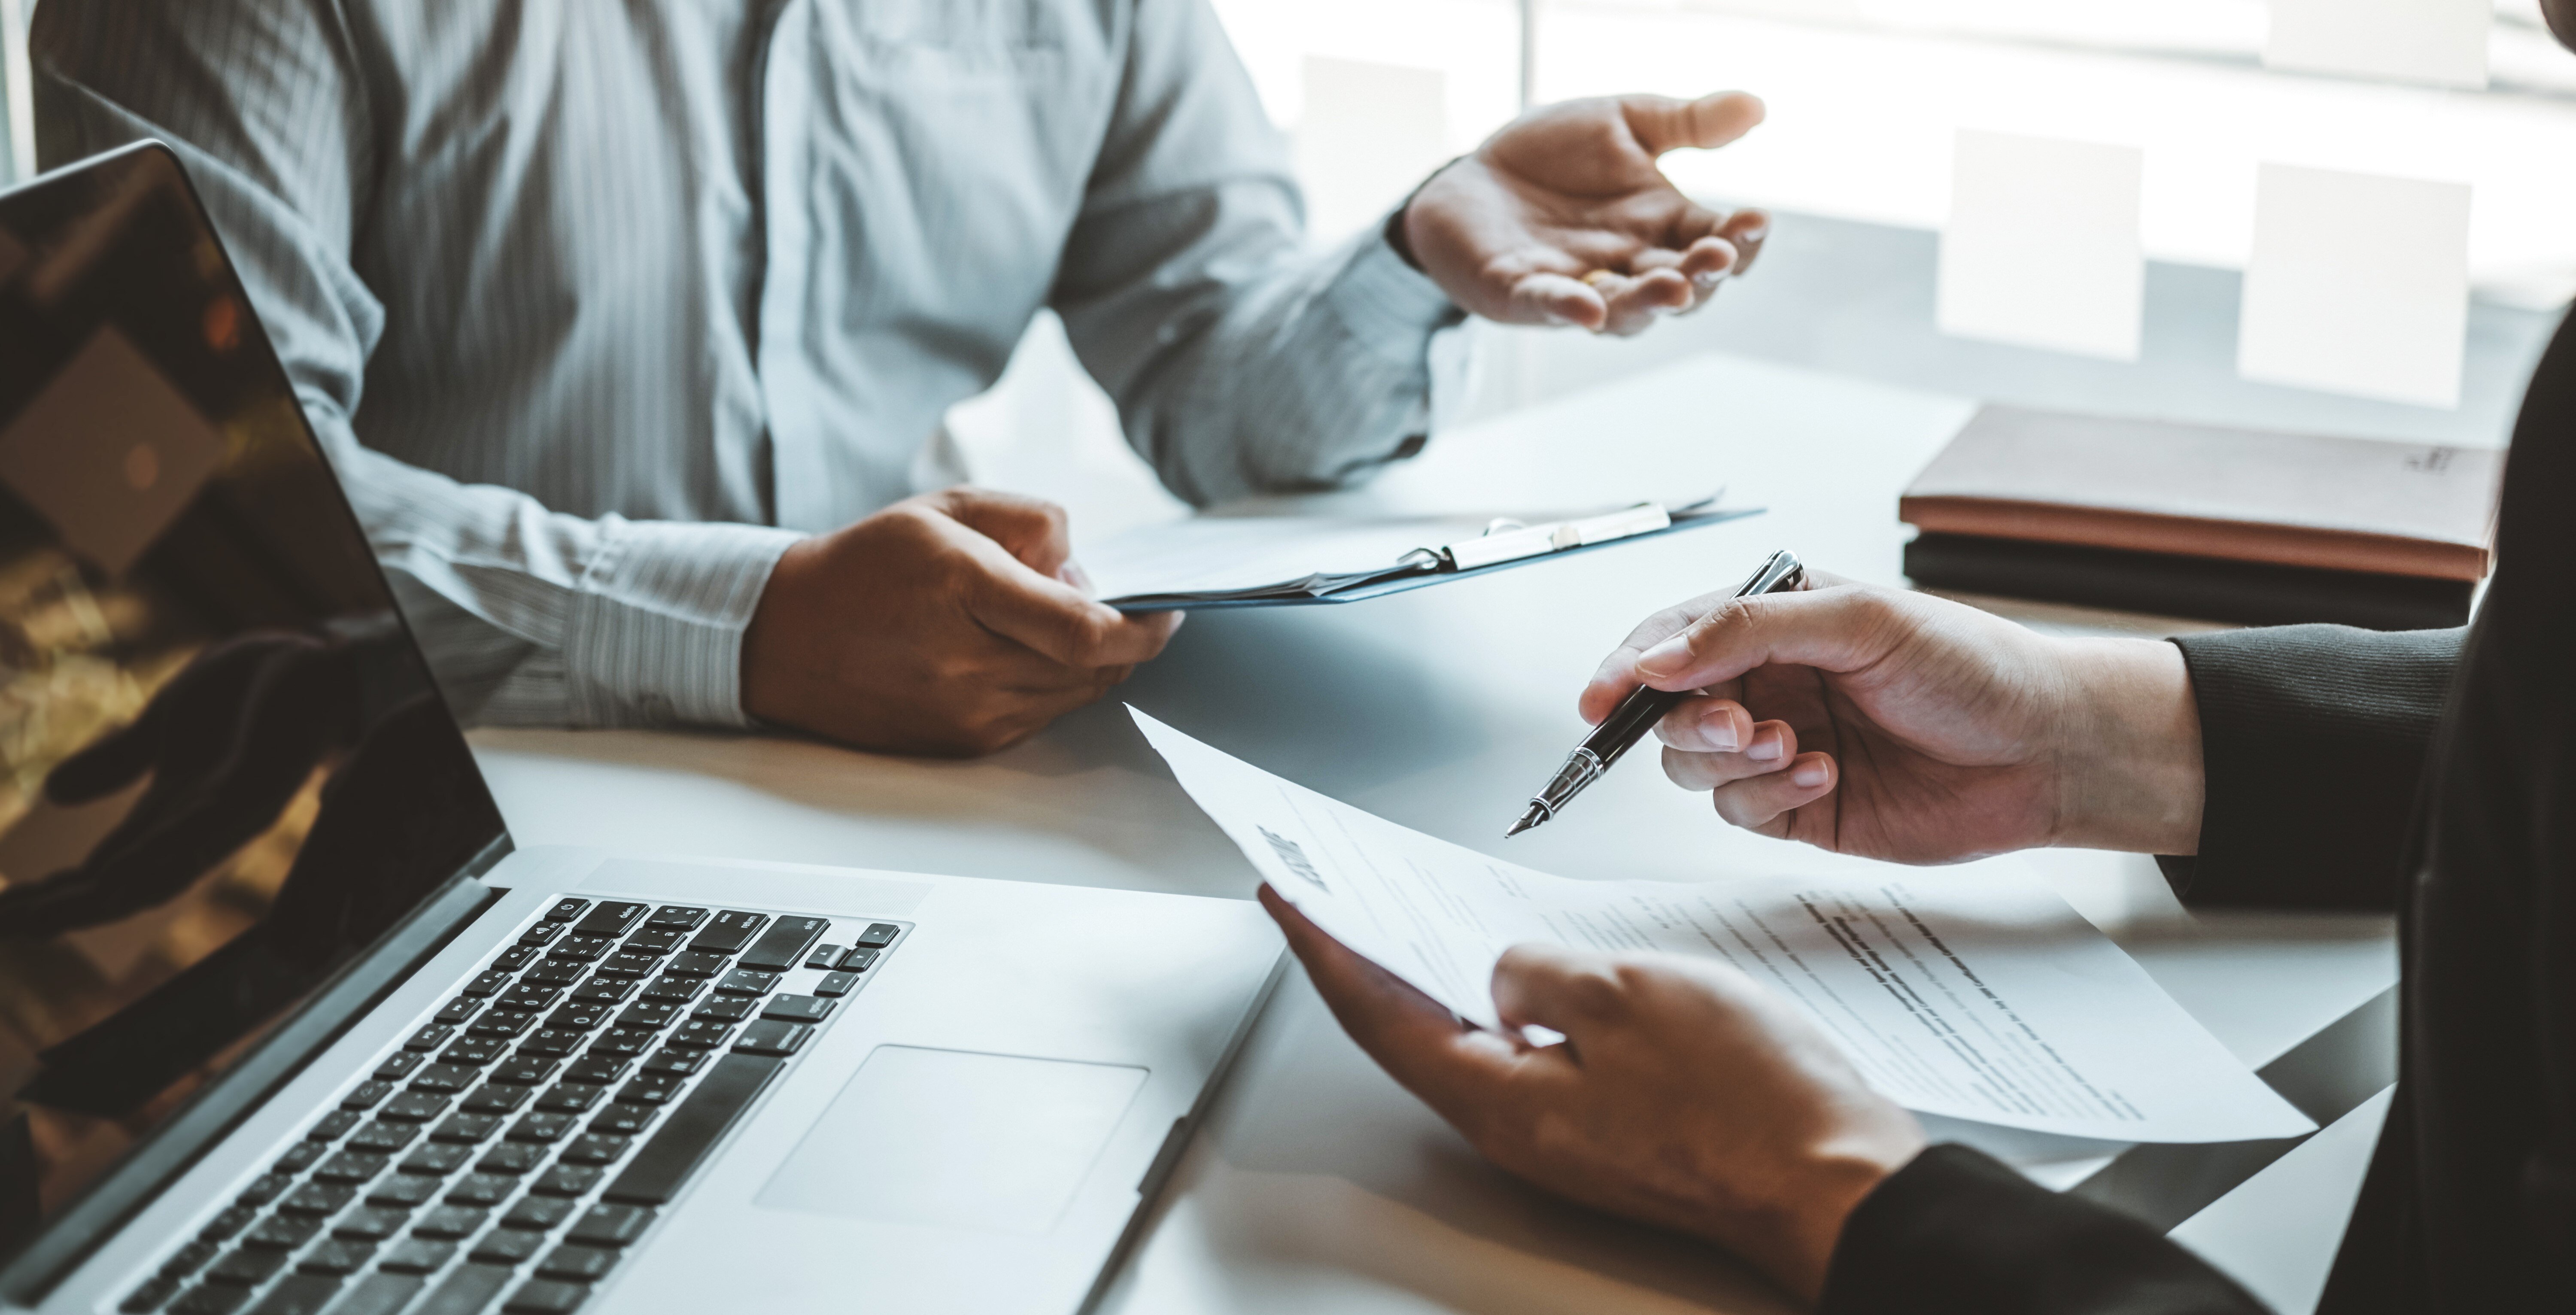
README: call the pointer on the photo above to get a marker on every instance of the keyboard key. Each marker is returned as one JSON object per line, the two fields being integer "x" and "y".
{"x": 627, "y": 964}
{"x": 444, "y": 1079}
{"x": 154, "y": 1292}
{"x": 365, "y": 1095}
{"x": 429, "y": 1038}
{"x": 474, "y": 1051}
{"x": 608, "y": 1225}
{"x": 448, "y": 1223}
{"x": 334, "y": 1126}
{"x": 507, "y": 1246}
{"x": 674, "y": 990}
{"x": 211, "y": 1299}
{"x": 649, "y": 1089}
{"x": 727, "y": 1009}
{"x": 596, "y": 1069}
{"x": 466, "y": 1129}
{"x": 457, "y": 1010}
{"x": 655, "y": 941}
{"x": 538, "y": 1212}
{"x": 542, "y": 1127}
{"x": 771, "y": 1037}
{"x": 878, "y": 936}
{"x": 588, "y": 949}
{"x": 654, "y": 1175}
{"x": 569, "y": 1098}
{"x": 577, "y": 1264}
{"x": 247, "y": 1266}
{"x": 555, "y": 1041}
{"x": 230, "y": 1220}
{"x": 648, "y": 1014}
{"x": 835, "y": 985}
{"x": 300, "y": 1294}
{"x": 531, "y": 995}
{"x": 436, "y": 1160}
{"x": 701, "y": 1034}
{"x": 264, "y": 1189}
{"x": 337, "y": 1258}
{"x": 596, "y": 1148}
{"x": 556, "y": 972}
{"x": 544, "y": 1297}
{"x": 510, "y": 1158}
{"x": 414, "y": 1106}
{"x": 352, "y": 1167}
{"x": 188, "y": 1260}
{"x": 695, "y": 964}
{"x": 566, "y": 910}
{"x": 515, "y": 958}
{"x": 299, "y": 1157}
{"x": 382, "y": 1137}
{"x": 580, "y": 1017}
{"x": 729, "y": 932}
{"x": 668, "y": 1060}
{"x": 744, "y": 981}
{"x": 824, "y": 956}
{"x": 621, "y": 1043}
{"x": 622, "y": 1120}
{"x": 399, "y": 1065}
{"x": 468, "y": 1291}
{"x": 599, "y": 990}
{"x": 677, "y": 917}
{"x": 379, "y": 1294}
{"x": 486, "y": 985}
{"x": 543, "y": 933}
{"x": 372, "y": 1223}
{"x": 481, "y": 1189}
{"x": 796, "y": 1009}
{"x": 860, "y": 960}
{"x": 317, "y": 1199}
{"x": 282, "y": 1233}
{"x": 568, "y": 1180}
{"x": 783, "y": 945}
{"x": 403, "y": 1191}
{"x": 611, "y": 918}
{"x": 417, "y": 1255}
{"x": 504, "y": 1023}
{"x": 523, "y": 1070}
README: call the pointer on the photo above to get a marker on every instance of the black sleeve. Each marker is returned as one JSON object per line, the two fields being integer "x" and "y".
{"x": 1955, "y": 1231}
{"x": 2313, "y": 739}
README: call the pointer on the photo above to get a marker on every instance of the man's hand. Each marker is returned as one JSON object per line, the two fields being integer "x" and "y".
{"x": 1685, "y": 1095}
{"x": 946, "y": 624}
{"x": 1563, "y": 218}
{"x": 1902, "y": 726}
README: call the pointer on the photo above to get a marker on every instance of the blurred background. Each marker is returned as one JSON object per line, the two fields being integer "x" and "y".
{"x": 1861, "y": 159}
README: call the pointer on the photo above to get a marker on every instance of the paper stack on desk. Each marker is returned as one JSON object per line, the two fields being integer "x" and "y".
{"x": 1978, "y": 995}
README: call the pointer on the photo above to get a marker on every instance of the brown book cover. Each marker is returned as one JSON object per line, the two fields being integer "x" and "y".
{"x": 2346, "y": 504}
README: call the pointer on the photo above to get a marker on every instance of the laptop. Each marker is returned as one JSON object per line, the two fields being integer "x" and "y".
{"x": 289, "y": 1027}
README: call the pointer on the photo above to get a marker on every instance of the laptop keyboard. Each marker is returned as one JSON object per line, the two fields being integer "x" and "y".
{"x": 509, "y": 1152}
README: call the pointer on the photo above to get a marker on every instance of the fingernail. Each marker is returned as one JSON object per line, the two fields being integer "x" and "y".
{"x": 1719, "y": 727}
{"x": 1664, "y": 658}
{"x": 1809, "y": 775}
{"x": 1707, "y": 280}
{"x": 1757, "y": 233}
{"x": 1765, "y": 748}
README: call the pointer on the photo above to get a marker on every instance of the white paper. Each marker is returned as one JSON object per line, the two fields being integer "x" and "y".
{"x": 1975, "y": 995}
{"x": 2358, "y": 284}
{"x": 2042, "y": 246}
{"x": 2443, "y": 42}
{"x": 1205, "y": 553}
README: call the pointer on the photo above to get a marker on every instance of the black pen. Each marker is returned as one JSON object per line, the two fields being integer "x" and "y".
{"x": 1638, "y": 713}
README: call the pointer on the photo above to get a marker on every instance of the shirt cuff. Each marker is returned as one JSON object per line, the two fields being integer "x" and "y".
{"x": 1388, "y": 306}
{"x": 655, "y": 632}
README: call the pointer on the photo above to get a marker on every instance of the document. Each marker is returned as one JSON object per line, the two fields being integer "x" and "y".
{"x": 1970, "y": 993}
{"x": 2443, "y": 42}
{"x": 2358, "y": 283}
{"x": 2042, "y": 246}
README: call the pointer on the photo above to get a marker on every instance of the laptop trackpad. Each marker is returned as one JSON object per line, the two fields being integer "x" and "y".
{"x": 996, "y": 1143}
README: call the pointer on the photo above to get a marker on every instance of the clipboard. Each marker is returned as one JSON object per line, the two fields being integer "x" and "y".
{"x": 1504, "y": 545}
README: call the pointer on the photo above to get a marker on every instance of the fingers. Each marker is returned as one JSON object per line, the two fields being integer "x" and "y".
{"x": 1059, "y": 622}
{"x": 1420, "y": 1044}
{"x": 1557, "y": 299}
{"x": 1634, "y": 304}
{"x": 1575, "y": 992}
{"x": 1758, "y": 803}
{"x": 1746, "y": 230}
{"x": 1840, "y": 630}
{"x": 1662, "y": 123}
{"x": 1032, "y": 529}
{"x": 1712, "y": 723}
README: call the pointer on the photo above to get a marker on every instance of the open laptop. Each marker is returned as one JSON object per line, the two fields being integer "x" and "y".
{"x": 287, "y": 1025}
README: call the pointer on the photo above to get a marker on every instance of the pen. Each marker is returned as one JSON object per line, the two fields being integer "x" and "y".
{"x": 1638, "y": 713}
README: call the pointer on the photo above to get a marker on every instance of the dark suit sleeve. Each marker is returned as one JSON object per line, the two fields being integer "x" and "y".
{"x": 2314, "y": 740}
{"x": 1956, "y": 1231}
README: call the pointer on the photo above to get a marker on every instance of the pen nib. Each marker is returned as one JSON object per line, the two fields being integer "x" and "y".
{"x": 1532, "y": 818}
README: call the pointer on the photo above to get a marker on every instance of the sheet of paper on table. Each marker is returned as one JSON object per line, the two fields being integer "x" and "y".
{"x": 1974, "y": 994}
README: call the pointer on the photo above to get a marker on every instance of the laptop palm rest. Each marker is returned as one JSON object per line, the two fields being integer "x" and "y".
{"x": 955, "y": 1139}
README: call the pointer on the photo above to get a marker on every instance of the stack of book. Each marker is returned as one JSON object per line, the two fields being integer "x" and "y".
{"x": 2193, "y": 521}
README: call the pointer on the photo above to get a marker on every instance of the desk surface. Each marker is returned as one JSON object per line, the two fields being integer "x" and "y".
{"x": 1319, "y": 1185}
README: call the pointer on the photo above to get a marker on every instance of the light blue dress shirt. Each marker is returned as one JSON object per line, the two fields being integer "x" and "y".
{"x": 597, "y": 306}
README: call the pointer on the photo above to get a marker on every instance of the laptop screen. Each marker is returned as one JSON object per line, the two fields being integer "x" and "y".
{"x": 224, "y": 770}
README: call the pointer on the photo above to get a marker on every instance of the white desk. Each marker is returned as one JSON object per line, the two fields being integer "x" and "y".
{"x": 1319, "y": 1185}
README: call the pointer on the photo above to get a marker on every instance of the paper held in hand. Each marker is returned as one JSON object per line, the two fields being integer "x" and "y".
{"x": 1974, "y": 993}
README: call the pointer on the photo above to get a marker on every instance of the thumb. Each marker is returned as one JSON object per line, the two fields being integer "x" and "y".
{"x": 1836, "y": 629}
{"x": 1662, "y": 123}
{"x": 1575, "y": 992}
{"x": 1031, "y": 529}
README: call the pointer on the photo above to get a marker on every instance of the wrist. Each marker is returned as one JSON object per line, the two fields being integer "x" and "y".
{"x": 1794, "y": 1241}
{"x": 2131, "y": 775}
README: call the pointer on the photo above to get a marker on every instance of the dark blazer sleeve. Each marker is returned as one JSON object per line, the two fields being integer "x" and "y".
{"x": 1955, "y": 1231}
{"x": 2314, "y": 740}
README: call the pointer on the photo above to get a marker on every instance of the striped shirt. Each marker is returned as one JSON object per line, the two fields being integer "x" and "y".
{"x": 598, "y": 306}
